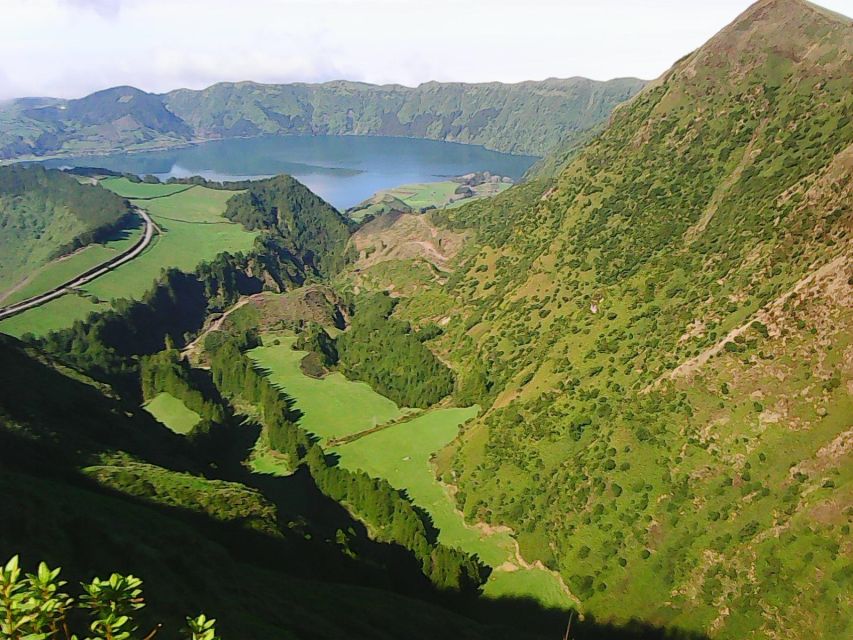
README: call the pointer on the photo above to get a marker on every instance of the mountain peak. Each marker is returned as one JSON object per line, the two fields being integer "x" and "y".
{"x": 776, "y": 36}
{"x": 776, "y": 13}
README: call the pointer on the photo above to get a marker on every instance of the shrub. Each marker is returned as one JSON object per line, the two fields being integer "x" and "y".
{"x": 34, "y": 606}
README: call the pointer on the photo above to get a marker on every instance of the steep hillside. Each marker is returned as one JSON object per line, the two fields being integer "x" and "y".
{"x": 663, "y": 338}
{"x": 528, "y": 117}
{"x": 46, "y": 214}
{"x": 299, "y": 223}
{"x": 93, "y": 484}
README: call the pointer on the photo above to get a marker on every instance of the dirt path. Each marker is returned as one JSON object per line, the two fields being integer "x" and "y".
{"x": 190, "y": 350}
{"x": 88, "y": 276}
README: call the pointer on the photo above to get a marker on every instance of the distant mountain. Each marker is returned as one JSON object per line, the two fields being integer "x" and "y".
{"x": 660, "y": 339}
{"x": 527, "y": 118}
{"x": 113, "y": 118}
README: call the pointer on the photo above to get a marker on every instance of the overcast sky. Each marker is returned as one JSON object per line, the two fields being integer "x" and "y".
{"x": 68, "y": 48}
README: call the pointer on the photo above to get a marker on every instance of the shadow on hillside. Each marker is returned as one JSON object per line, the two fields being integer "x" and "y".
{"x": 193, "y": 561}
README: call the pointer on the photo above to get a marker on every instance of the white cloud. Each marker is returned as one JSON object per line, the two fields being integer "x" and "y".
{"x": 104, "y": 8}
{"x": 71, "y": 47}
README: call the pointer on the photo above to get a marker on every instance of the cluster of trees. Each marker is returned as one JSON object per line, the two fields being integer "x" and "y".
{"x": 321, "y": 348}
{"x": 168, "y": 372}
{"x": 106, "y": 344}
{"x": 386, "y": 353}
{"x": 303, "y": 224}
{"x": 390, "y": 515}
{"x": 34, "y": 606}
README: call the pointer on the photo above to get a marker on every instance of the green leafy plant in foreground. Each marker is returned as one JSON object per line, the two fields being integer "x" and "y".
{"x": 33, "y": 606}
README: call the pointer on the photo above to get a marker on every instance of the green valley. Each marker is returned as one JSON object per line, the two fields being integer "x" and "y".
{"x": 399, "y": 448}
{"x": 610, "y": 401}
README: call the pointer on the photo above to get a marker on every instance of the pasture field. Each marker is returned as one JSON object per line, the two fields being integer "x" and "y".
{"x": 53, "y": 316}
{"x": 425, "y": 194}
{"x": 402, "y": 453}
{"x": 198, "y": 204}
{"x": 172, "y": 412}
{"x": 193, "y": 231}
{"x": 333, "y": 406}
{"x": 127, "y": 189}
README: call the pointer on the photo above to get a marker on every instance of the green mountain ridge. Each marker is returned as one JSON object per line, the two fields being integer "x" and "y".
{"x": 527, "y": 117}
{"x": 661, "y": 335}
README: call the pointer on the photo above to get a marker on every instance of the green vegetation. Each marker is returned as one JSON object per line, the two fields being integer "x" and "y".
{"x": 167, "y": 372}
{"x": 332, "y": 406}
{"x": 658, "y": 331}
{"x": 98, "y": 122}
{"x": 66, "y": 268}
{"x": 295, "y": 219}
{"x": 384, "y": 352}
{"x": 46, "y": 214}
{"x": 528, "y": 118}
{"x": 390, "y": 515}
{"x": 193, "y": 230}
{"x": 172, "y": 412}
{"x": 192, "y": 233}
{"x": 656, "y": 336}
{"x": 93, "y": 482}
{"x": 400, "y": 453}
{"x": 34, "y": 605}
{"x": 420, "y": 197}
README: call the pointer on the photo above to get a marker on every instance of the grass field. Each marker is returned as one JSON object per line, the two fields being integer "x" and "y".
{"x": 335, "y": 406}
{"x": 56, "y": 314}
{"x": 172, "y": 412}
{"x": 193, "y": 231}
{"x": 64, "y": 269}
{"x": 127, "y": 189}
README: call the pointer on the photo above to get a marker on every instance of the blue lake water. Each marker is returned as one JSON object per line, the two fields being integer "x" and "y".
{"x": 344, "y": 170}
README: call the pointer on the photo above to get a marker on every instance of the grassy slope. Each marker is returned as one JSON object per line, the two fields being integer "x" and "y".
{"x": 245, "y": 555}
{"x": 193, "y": 231}
{"x": 334, "y": 406}
{"x": 127, "y": 189}
{"x": 43, "y": 213}
{"x": 172, "y": 412}
{"x": 63, "y": 269}
{"x": 719, "y": 500}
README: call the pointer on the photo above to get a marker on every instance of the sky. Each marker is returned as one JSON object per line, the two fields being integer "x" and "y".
{"x": 69, "y": 48}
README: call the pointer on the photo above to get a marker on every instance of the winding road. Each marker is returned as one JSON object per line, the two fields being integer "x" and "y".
{"x": 88, "y": 276}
